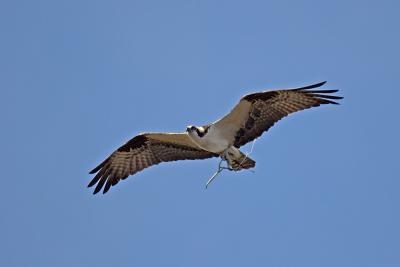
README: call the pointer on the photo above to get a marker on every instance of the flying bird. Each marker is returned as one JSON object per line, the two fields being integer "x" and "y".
{"x": 254, "y": 114}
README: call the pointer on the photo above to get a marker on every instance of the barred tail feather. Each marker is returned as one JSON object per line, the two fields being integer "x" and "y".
{"x": 243, "y": 162}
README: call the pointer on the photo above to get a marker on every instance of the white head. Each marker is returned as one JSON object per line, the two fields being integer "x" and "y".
{"x": 196, "y": 131}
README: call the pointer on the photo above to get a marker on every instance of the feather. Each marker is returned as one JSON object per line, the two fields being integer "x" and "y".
{"x": 141, "y": 152}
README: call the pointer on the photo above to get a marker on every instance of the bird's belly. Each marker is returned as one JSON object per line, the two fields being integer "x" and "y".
{"x": 213, "y": 143}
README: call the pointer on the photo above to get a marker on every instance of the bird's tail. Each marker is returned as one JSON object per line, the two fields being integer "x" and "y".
{"x": 242, "y": 162}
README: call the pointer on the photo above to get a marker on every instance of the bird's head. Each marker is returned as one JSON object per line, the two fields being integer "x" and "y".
{"x": 196, "y": 131}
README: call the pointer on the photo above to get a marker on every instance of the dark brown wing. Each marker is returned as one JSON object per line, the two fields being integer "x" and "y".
{"x": 144, "y": 151}
{"x": 269, "y": 107}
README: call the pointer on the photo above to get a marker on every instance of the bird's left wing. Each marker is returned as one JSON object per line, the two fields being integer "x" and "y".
{"x": 257, "y": 112}
{"x": 143, "y": 151}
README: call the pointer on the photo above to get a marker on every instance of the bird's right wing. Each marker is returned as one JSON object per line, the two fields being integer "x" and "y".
{"x": 143, "y": 151}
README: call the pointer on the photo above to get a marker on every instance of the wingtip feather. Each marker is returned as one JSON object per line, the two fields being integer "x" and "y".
{"x": 92, "y": 182}
{"x": 96, "y": 169}
{"x": 311, "y": 86}
{"x": 107, "y": 186}
{"x": 96, "y": 190}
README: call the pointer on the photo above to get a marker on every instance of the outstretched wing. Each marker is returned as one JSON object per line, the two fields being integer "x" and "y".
{"x": 256, "y": 113}
{"x": 144, "y": 151}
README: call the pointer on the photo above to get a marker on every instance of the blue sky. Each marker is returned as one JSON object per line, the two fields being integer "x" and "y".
{"x": 79, "y": 78}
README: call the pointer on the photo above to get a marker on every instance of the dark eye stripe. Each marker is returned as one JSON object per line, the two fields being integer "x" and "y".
{"x": 201, "y": 134}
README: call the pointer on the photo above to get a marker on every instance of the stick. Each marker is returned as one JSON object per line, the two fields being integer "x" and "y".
{"x": 248, "y": 153}
{"x": 221, "y": 168}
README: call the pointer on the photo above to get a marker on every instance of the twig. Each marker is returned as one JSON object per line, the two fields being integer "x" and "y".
{"x": 221, "y": 168}
{"x": 248, "y": 153}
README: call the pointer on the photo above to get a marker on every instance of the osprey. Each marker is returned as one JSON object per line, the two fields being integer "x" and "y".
{"x": 254, "y": 114}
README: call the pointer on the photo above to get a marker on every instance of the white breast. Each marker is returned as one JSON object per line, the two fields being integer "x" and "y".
{"x": 213, "y": 141}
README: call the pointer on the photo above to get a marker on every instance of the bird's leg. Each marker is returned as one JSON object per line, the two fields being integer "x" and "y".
{"x": 224, "y": 157}
{"x": 228, "y": 167}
